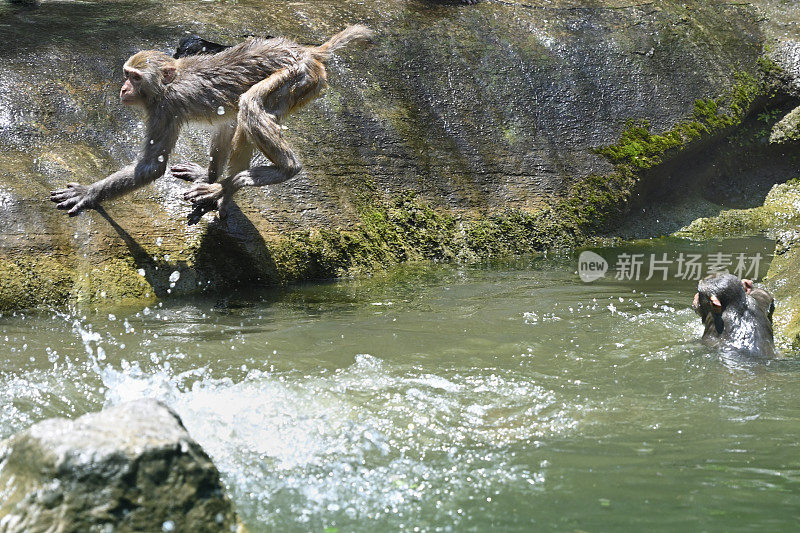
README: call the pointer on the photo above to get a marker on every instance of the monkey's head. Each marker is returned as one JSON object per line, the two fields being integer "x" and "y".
{"x": 147, "y": 75}
{"x": 718, "y": 291}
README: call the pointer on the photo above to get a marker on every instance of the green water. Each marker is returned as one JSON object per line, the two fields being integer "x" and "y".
{"x": 510, "y": 396}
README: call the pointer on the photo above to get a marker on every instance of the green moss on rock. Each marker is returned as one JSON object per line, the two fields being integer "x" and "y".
{"x": 114, "y": 280}
{"x": 780, "y": 210}
{"x": 639, "y": 149}
{"x": 29, "y": 282}
{"x": 784, "y": 279}
{"x": 406, "y": 229}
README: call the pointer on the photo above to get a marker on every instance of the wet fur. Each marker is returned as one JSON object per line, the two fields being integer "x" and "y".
{"x": 256, "y": 83}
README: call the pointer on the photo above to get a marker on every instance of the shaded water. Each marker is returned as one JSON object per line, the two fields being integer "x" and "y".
{"x": 511, "y": 396}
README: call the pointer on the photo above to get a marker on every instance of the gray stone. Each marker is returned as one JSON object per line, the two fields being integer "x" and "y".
{"x": 788, "y": 129}
{"x": 132, "y": 467}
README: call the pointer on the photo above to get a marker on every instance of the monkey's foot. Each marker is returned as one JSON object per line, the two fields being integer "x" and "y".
{"x": 197, "y": 213}
{"x": 201, "y": 209}
{"x": 203, "y": 193}
{"x": 74, "y": 198}
{"x": 205, "y": 197}
{"x": 189, "y": 172}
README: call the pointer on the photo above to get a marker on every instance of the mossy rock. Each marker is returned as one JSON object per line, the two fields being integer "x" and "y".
{"x": 784, "y": 279}
{"x": 467, "y": 131}
{"x": 781, "y": 210}
{"x": 788, "y": 129}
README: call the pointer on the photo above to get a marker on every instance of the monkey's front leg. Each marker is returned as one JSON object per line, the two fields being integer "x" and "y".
{"x": 75, "y": 197}
{"x": 219, "y": 152}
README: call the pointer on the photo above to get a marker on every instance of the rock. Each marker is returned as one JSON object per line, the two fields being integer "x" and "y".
{"x": 778, "y": 213}
{"x": 784, "y": 278}
{"x": 490, "y": 115}
{"x": 786, "y": 54}
{"x": 788, "y": 129}
{"x": 132, "y": 467}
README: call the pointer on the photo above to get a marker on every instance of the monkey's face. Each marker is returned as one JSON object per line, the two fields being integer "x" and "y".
{"x": 131, "y": 92}
{"x": 147, "y": 74}
{"x": 718, "y": 291}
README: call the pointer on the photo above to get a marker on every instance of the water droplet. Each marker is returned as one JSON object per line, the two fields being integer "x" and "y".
{"x": 168, "y": 525}
{"x": 151, "y": 141}
{"x": 111, "y": 317}
{"x": 220, "y": 110}
{"x": 174, "y": 277}
{"x": 101, "y": 354}
{"x": 161, "y": 159}
{"x": 141, "y": 272}
{"x": 159, "y": 240}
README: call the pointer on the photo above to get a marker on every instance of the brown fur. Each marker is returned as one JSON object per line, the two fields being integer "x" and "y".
{"x": 245, "y": 91}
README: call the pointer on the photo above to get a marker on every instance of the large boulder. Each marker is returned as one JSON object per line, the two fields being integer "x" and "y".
{"x": 132, "y": 467}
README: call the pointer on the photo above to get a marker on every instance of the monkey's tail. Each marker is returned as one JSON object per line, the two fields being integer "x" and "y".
{"x": 354, "y": 33}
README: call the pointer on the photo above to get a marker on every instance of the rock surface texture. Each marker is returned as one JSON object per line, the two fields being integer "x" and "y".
{"x": 132, "y": 467}
{"x": 466, "y": 131}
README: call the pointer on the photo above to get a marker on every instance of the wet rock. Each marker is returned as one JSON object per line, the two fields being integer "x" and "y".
{"x": 779, "y": 212}
{"x": 132, "y": 467}
{"x": 788, "y": 129}
{"x": 784, "y": 278}
{"x": 488, "y": 114}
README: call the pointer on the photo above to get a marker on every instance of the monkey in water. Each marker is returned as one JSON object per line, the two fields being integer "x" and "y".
{"x": 737, "y": 316}
{"x": 244, "y": 92}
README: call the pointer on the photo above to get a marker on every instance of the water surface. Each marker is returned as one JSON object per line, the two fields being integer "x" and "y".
{"x": 439, "y": 398}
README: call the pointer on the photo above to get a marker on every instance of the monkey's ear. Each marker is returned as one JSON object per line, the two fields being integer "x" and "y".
{"x": 168, "y": 74}
{"x": 748, "y": 285}
{"x": 716, "y": 305}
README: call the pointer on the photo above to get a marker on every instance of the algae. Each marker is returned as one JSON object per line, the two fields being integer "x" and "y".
{"x": 781, "y": 210}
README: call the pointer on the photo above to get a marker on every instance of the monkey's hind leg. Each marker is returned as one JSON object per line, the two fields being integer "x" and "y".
{"x": 260, "y": 110}
{"x": 207, "y": 197}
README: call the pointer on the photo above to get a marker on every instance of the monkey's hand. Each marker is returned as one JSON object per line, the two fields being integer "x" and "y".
{"x": 74, "y": 198}
{"x": 205, "y": 197}
{"x": 190, "y": 172}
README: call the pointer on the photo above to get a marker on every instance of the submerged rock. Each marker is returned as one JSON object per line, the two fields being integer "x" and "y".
{"x": 132, "y": 467}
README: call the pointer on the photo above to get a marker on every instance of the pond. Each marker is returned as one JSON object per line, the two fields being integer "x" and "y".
{"x": 508, "y": 395}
